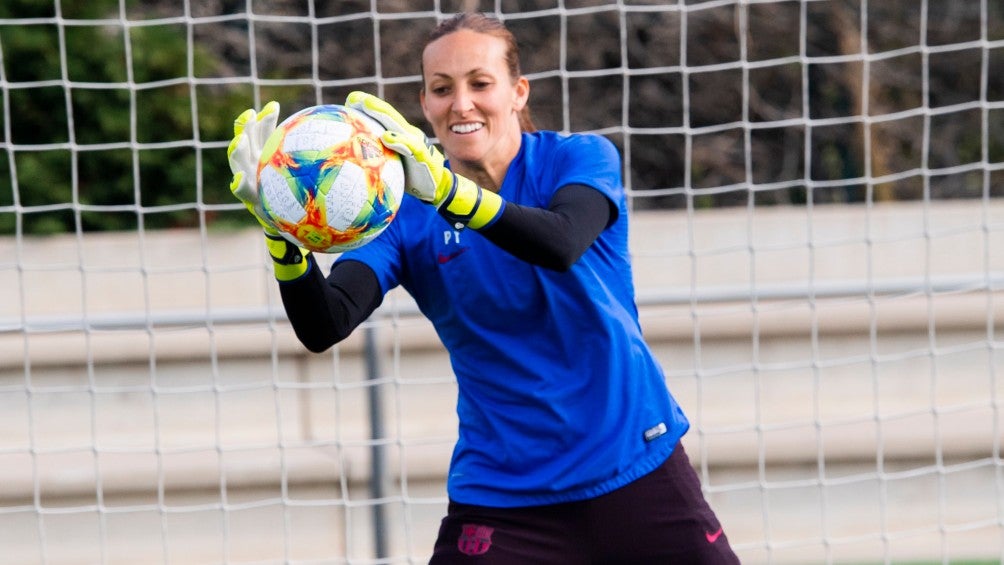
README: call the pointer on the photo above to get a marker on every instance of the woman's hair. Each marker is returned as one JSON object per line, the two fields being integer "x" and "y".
{"x": 488, "y": 25}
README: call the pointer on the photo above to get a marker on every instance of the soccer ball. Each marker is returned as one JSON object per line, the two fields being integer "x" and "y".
{"x": 325, "y": 180}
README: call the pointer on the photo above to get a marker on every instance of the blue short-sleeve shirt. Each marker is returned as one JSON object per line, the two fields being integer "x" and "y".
{"x": 560, "y": 398}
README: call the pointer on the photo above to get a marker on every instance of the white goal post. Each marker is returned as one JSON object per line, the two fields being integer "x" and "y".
{"x": 817, "y": 226}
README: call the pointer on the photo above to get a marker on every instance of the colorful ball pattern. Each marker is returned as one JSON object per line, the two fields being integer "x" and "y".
{"x": 326, "y": 181}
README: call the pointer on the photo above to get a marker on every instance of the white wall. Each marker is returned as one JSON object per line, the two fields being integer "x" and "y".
{"x": 823, "y": 367}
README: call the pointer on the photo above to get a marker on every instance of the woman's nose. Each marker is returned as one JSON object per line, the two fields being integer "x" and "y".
{"x": 462, "y": 101}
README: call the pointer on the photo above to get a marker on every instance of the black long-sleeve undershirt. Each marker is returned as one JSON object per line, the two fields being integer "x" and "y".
{"x": 325, "y": 310}
{"x": 555, "y": 237}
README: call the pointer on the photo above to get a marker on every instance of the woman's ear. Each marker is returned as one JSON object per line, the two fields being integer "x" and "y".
{"x": 421, "y": 101}
{"x": 521, "y": 93}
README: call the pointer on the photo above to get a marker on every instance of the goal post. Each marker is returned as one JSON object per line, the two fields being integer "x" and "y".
{"x": 817, "y": 233}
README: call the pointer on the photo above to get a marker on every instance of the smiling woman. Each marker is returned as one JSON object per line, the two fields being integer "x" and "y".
{"x": 474, "y": 102}
{"x": 515, "y": 247}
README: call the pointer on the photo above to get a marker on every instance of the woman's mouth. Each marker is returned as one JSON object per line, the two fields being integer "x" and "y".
{"x": 466, "y": 128}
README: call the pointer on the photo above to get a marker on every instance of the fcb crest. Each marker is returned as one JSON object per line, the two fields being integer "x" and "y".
{"x": 474, "y": 539}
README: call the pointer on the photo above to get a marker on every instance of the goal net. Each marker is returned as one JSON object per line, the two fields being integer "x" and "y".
{"x": 816, "y": 225}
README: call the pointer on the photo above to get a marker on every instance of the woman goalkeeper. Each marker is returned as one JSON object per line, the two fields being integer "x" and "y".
{"x": 516, "y": 249}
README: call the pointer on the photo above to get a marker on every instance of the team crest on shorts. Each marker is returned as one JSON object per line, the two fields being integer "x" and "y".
{"x": 474, "y": 539}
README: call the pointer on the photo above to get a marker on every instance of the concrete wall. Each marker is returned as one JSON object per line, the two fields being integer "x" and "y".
{"x": 834, "y": 362}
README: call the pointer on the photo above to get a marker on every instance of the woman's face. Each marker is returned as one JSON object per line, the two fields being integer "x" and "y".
{"x": 470, "y": 100}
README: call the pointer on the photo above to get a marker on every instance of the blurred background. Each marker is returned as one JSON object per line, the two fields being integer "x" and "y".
{"x": 817, "y": 232}
{"x": 762, "y": 97}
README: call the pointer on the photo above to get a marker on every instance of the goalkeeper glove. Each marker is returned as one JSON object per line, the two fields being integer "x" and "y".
{"x": 289, "y": 262}
{"x": 456, "y": 198}
{"x": 251, "y": 130}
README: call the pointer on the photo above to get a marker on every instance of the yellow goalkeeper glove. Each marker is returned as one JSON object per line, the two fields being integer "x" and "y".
{"x": 251, "y": 130}
{"x": 456, "y": 198}
{"x": 289, "y": 262}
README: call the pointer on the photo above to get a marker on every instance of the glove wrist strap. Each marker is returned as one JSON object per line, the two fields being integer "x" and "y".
{"x": 282, "y": 251}
{"x": 289, "y": 262}
{"x": 467, "y": 204}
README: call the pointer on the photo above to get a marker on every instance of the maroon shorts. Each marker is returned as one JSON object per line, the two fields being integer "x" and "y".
{"x": 662, "y": 518}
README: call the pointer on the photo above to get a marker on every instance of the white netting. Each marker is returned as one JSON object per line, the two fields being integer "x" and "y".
{"x": 817, "y": 233}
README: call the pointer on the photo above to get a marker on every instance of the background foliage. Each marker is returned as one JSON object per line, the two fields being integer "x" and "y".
{"x": 119, "y": 111}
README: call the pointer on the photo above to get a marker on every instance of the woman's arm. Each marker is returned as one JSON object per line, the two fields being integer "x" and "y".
{"x": 324, "y": 311}
{"x": 557, "y": 236}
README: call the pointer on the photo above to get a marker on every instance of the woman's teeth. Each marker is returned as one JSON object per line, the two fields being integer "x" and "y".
{"x": 465, "y": 128}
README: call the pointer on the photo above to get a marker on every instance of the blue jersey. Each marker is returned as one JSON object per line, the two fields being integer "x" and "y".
{"x": 560, "y": 398}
